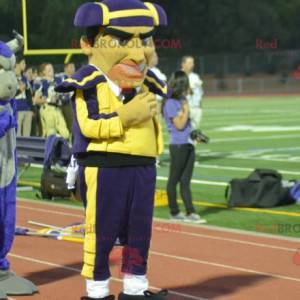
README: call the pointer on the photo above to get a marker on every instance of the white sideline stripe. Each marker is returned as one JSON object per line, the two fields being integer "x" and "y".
{"x": 286, "y": 160}
{"x": 51, "y": 204}
{"x": 43, "y": 262}
{"x": 207, "y": 226}
{"x": 233, "y": 240}
{"x": 50, "y": 212}
{"x": 219, "y": 167}
{"x": 246, "y": 119}
{"x": 196, "y": 181}
{"x": 204, "y": 262}
{"x": 272, "y": 137}
{"x": 239, "y": 232}
{"x": 238, "y": 241}
{"x": 210, "y": 120}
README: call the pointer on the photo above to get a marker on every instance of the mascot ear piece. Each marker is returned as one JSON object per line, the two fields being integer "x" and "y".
{"x": 17, "y": 43}
{"x": 159, "y": 15}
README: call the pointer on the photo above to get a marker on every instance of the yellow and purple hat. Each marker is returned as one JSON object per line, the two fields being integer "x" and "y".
{"x": 123, "y": 13}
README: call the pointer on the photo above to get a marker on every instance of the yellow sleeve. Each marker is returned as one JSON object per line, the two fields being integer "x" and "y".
{"x": 100, "y": 126}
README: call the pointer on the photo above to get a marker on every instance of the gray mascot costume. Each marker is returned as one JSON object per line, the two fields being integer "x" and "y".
{"x": 10, "y": 284}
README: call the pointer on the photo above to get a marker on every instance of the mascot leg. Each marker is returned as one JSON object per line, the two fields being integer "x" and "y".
{"x": 10, "y": 284}
{"x": 139, "y": 228}
{"x": 7, "y": 222}
{"x": 119, "y": 203}
{"x": 103, "y": 216}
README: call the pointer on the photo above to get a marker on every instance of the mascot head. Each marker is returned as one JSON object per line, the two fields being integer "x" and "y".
{"x": 8, "y": 80}
{"x": 119, "y": 37}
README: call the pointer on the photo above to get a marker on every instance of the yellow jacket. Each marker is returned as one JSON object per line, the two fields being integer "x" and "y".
{"x": 97, "y": 128}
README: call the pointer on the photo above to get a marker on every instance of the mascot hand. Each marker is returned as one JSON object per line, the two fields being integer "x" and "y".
{"x": 6, "y": 122}
{"x": 142, "y": 108}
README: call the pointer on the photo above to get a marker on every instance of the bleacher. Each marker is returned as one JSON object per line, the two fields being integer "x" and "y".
{"x": 31, "y": 150}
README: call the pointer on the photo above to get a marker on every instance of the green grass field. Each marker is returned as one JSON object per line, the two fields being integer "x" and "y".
{"x": 246, "y": 133}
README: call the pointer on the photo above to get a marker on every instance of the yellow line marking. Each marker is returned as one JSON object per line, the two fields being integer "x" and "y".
{"x": 209, "y": 204}
{"x": 25, "y": 30}
{"x": 29, "y": 183}
{"x": 254, "y": 210}
{"x": 52, "y": 51}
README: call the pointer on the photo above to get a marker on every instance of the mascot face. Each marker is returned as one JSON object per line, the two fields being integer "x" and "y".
{"x": 8, "y": 80}
{"x": 119, "y": 38}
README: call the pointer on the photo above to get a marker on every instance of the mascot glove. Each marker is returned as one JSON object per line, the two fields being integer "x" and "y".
{"x": 141, "y": 109}
{"x": 6, "y": 122}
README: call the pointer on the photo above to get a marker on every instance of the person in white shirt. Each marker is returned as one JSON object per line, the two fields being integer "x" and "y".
{"x": 155, "y": 69}
{"x": 196, "y": 91}
{"x": 159, "y": 74}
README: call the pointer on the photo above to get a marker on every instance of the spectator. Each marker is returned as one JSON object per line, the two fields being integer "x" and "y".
{"x": 69, "y": 70}
{"x": 24, "y": 99}
{"x": 159, "y": 74}
{"x": 38, "y": 99}
{"x": 155, "y": 69}
{"x": 51, "y": 116}
{"x": 30, "y": 76}
{"x": 162, "y": 77}
{"x": 196, "y": 91}
{"x": 182, "y": 151}
{"x": 66, "y": 107}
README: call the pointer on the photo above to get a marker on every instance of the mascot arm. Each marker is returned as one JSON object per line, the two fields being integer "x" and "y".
{"x": 92, "y": 124}
{"x": 7, "y": 121}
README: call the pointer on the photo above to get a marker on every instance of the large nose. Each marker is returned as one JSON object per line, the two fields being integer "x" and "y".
{"x": 136, "y": 51}
{"x": 9, "y": 87}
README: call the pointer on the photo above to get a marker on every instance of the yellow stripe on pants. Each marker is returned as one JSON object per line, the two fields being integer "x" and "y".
{"x": 91, "y": 180}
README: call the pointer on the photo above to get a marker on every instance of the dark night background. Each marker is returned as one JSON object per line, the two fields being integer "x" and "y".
{"x": 203, "y": 27}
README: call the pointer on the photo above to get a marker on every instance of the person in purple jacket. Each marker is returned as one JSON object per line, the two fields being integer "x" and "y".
{"x": 182, "y": 150}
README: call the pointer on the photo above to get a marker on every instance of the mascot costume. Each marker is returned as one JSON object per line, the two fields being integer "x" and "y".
{"x": 117, "y": 138}
{"x": 10, "y": 284}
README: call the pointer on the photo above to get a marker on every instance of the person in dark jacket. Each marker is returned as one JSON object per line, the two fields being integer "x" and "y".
{"x": 23, "y": 99}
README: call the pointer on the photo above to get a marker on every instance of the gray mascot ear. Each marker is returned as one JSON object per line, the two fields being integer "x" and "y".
{"x": 17, "y": 43}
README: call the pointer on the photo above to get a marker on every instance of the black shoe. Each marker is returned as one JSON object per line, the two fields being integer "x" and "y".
{"x": 111, "y": 297}
{"x": 162, "y": 295}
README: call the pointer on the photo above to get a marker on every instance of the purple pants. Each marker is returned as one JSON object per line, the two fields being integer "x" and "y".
{"x": 119, "y": 203}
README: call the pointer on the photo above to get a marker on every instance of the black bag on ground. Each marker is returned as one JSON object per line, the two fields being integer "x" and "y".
{"x": 262, "y": 189}
{"x": 53, "y": 184}
{"x": 53, "y": 181}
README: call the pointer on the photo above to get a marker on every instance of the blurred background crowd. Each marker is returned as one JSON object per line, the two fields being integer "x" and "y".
{"x": 42, "y": 112}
